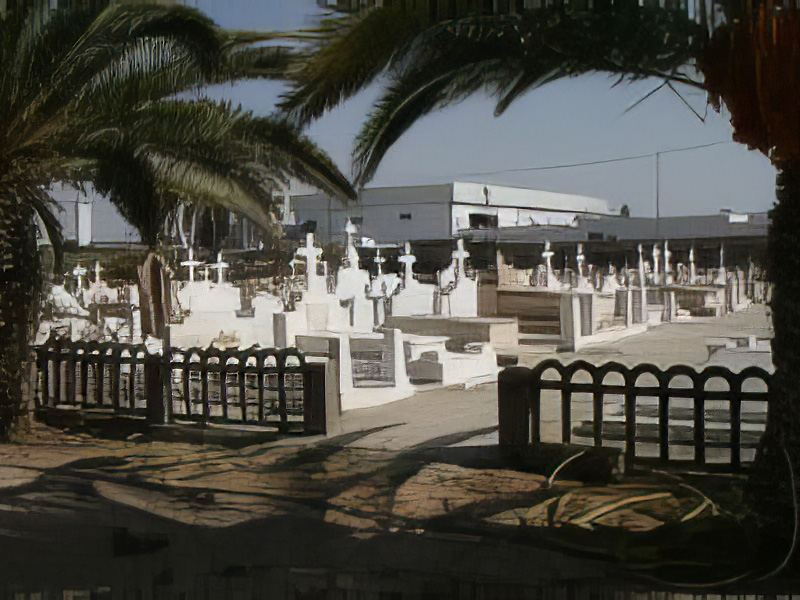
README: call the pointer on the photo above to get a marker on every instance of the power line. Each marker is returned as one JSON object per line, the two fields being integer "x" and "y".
{"x": 599, "y": 162}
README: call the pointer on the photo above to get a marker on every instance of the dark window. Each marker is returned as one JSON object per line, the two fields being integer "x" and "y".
{"x": 405, "y": 216}
{"x": 357, "y": 220}
{"x": 595, "y": 235}
{"x": 479, "y": 221}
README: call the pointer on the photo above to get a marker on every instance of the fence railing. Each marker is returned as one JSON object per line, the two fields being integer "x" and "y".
{"x": 253, "y": 386}
{"x": 650, "y": 412}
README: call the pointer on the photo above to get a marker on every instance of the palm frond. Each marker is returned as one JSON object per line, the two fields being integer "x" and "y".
{"x": 302, "y": 158}
{"x": 347, "y": 58}
{"x": 511, "y": 55}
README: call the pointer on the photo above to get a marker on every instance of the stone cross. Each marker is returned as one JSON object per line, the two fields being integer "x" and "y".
{"x": 642, "y": 279}
{"x": 460, "y": 255}
{"x": 79, "y": 271}
{"x": 379, "y": 260}
{"x": 580, "y": 258}
{"x": 656, "y": 271}
{"x": 352, "y": 253}
{"x": 220, "y": 266}
{"x": 667, "y": 264}
{"x": 722, "y": 277}
{"x": 191, "y": 263}
{"x": 408, "y": 260}
{"x": 643, "y": 284}
{"x": 311, "y": 254}
{"x": 547, "y": 255}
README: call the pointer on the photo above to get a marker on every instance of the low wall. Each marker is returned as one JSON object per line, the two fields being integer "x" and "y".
{"x": 478, "y": 329}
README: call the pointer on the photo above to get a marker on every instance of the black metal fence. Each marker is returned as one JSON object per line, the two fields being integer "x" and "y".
{"x": 254, "y": 386}
{"x": 666, "y": 409}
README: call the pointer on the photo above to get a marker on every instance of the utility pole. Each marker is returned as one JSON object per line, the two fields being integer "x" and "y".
{"x": 655, "y": 185}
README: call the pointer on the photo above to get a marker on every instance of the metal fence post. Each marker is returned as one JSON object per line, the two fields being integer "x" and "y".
{"x": 512, "y": 407}
{"x": 154, "y": 389}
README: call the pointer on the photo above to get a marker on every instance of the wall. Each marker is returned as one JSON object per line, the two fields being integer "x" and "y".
{"x": 107, "y": 225}
{"x": 508, "y": 216}
{"x": 430, "y": 216}
{"x": 473, "y": 193}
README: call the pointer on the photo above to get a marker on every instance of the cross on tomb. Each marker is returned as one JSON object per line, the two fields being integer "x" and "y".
{"x": 460, "y": 255}
{"x": 408, "y": 260}
{"x": 580, "y": 259}
{"x": 311, "y": 254}
{"x": 379, "y": 260}
{"x": 191, "y": 263}
{"x": 220, "y": 266}
{"x": 79, "y": 271}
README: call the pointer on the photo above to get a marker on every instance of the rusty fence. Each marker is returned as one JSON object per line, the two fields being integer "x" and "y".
{"x": 254, "y": 386}
{"x": 712, "y": 418}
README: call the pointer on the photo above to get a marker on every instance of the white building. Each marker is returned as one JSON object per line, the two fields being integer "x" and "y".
{"x": 437, "y": 212}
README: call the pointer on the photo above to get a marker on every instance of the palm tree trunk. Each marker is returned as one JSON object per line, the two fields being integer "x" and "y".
{"x": 154, "y": 296}
{"x": 19, "y": 303}
{"x": 777, "y": 466}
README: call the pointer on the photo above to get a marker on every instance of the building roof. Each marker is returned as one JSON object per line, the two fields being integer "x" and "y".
{"x": 635, "y": 229}
{"x": 463, "y": 192}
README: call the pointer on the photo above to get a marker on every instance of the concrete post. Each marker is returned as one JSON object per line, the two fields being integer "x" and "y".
{"x": 321, "y": 407}
{"x": 570, "y": 313}
{"x": 628, "y": 307}
{"x": 399, "y": 356}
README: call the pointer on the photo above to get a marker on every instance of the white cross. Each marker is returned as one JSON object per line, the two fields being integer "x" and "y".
{"x": 191, "y": 263}
{"x": 408, "y": 259}
{"x": 311, "y": 254}
{"x": 79, "y": 271}
{"x": 379, "y": 260}
{"x": 352, "y": 253}
{"x": 460, "y": 255}
{"x": 220, "y": 266}
{"x": 580, "y": 259}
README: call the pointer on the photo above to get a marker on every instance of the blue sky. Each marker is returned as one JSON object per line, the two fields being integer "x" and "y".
{"x": 579, "y": 120}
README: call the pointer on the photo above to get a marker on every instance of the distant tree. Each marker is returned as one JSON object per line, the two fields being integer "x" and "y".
{"x": 625, "y": 211}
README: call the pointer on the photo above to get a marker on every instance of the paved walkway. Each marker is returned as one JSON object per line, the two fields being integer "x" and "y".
{"x": 457, "y": 416}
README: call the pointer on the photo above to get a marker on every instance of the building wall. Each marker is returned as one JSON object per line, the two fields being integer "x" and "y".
{"x": 500, "y": 195}
{"x": 436, "y": 212}
{"x": 383, "y": 222}
{"x": 508, "y": 216}
{"x": 99, "y": 224}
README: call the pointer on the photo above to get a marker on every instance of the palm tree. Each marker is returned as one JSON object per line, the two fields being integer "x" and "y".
{"x": 93, "y": 96}
{"x": 747, "y": 53}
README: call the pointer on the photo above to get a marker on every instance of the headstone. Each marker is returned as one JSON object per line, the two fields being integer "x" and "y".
{"x": 80, "y": 272}
{"x": 583, "y": 282}
{"x": 643, "y": 284}
{"x": 692, "y": 267}
{"x": 722, "y": 275}
{"x": 547, "y": 255}
{"x": 668, "y": 277}
{"x": 656, "y": 265}
{"x": 316, "y": 284}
